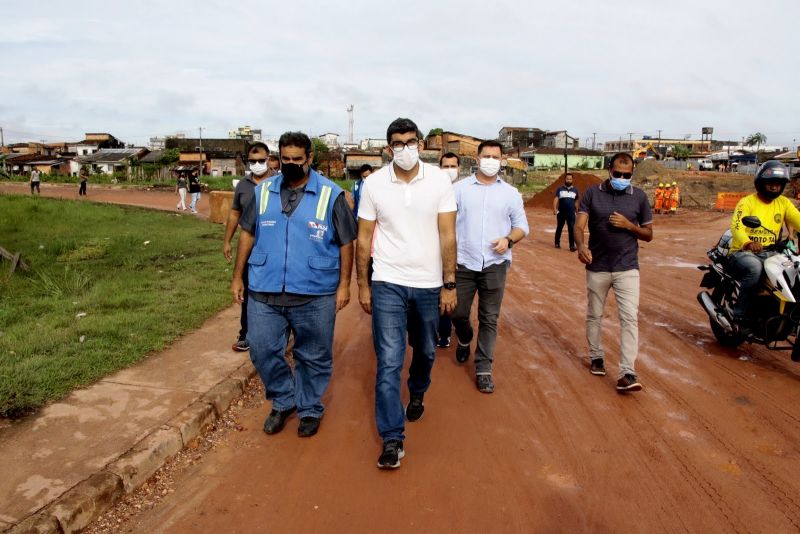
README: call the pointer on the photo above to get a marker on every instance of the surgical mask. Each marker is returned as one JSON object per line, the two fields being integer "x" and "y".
{"x": 407, "y": 158}
{"x": 259, "y": 169}
{"x": 489, "y": 166}
{"x": 620, "y": 184}
{"x": 292, "y": 172}
{"x": 452, "y": 173}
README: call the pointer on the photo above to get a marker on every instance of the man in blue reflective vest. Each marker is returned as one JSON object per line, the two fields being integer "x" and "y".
{"x": 363, "y": 173}
{"x": 298, "y": 236}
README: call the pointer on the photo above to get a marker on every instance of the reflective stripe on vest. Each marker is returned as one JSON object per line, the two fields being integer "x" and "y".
{"x": 322, "y": 203}
{"x": 264, "y": 198}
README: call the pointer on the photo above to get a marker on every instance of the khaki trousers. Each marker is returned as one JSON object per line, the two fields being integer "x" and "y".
{"x": 626, "y": 291}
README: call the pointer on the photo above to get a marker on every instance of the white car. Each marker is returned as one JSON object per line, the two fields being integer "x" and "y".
{"x": 705, "y": 165}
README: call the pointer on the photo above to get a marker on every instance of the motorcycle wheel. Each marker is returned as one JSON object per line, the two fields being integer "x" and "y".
{"x": 723, "y": 337}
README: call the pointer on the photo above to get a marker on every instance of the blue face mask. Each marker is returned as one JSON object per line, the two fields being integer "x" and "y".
{"x": 620, "y": 184}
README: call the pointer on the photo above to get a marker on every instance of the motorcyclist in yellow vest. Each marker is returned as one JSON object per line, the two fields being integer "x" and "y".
{"x": 747, "y": 252}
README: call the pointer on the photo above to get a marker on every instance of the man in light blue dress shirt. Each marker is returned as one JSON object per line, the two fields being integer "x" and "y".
{"x": 490, "y": 220}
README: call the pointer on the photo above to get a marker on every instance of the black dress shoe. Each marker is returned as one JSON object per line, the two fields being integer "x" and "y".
{"x": 462, "y": 353}
{"x": 276, "y": 420}
{"x": 308, "y": 427}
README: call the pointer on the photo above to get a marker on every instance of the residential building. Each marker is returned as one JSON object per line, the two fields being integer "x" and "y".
{"x": 520, "y": 138}
{"x": 559, "y": 139}
{"x": 247, "y": 133}
{"x": 461, "y": 144}
{"x": 157, "y": 143}
{"x": 371, "y": 143}
{"x": 354, "y": 159}
{"x": 331, "y": 140}
{"x": 111, "y": 160}
{"x": 550, "y": 158}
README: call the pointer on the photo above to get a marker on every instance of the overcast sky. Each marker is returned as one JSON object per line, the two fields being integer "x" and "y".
{"x": 138, "y": 69}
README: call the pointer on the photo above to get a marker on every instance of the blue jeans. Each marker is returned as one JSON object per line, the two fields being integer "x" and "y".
{"x": 268, "y": 333}
{"x": 195, "y": 200}
{"x": 748, "y": 269}
{"x": 396, "y": 311}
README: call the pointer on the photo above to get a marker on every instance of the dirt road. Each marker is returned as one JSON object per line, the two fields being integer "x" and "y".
{"x": 710, "y": 444}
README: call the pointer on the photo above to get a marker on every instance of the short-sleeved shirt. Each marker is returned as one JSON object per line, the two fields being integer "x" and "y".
{"x": 35, "y": 176}
{"x": 614, "y": 249}
{"x": 407, "y": 250}
{"x": 181, "y": 182}
{"x": 194, "y": 184}
{"x": 244, "y": 194}
{"x": 344, "y": 228}
{"x": 772, "y": 217}
{"x": 567, "y": 196}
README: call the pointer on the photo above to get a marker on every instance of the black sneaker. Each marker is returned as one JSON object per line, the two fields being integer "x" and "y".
{"x": 391, "y": 455}
{"x": 558, "y": 246}
{"x": 276, "y": 420}
{"x": 462, "y": 353}
{"x": 241, "y": 345}
{"x": 415, "y": 408}
{"x": 484, "y": 383}
{"x": 597, "y": 367}
{"x": 573, "y": 249}
{"x": 308, "y": 426}
{"x": 443, "y": 342}
{"x": 627, "y": 383}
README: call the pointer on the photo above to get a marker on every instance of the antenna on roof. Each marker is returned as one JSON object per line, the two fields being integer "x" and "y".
{"x": 350, "y": 124}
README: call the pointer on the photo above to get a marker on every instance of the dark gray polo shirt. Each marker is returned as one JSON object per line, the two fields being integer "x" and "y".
{"x": 614, "y": 249}
{"x": 244, "y": 195}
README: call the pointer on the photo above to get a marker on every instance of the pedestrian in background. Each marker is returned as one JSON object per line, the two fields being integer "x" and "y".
{"x": 565, "y": 204}
{"x": 180, "y": 188}
{"x": 82, "y": 187}
{"x": 35, "y": 182}
{"x": 365, "y": 170}
{"x": 618, "y": 216}
{"x": 449, "y": 163}
{"x": 194, "y": 190}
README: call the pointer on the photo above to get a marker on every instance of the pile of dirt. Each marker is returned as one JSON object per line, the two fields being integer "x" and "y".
{"x": 544, "y": 199}
{"x": 651, "y": 167}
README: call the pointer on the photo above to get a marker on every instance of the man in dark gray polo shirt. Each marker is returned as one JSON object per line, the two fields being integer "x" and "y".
{"x": 243, "y": 196}
{"x": 618, "y": 216}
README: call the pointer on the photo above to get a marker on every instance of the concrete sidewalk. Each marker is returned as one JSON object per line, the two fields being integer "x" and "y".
{"x": 67, "y": 464}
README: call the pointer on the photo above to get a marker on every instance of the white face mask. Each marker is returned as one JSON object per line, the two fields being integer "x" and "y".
{"x": 407, "y": 158}
{"x": 452, "y": 173}
{"x": 259, "y": 169}
{"x": 489, "y": 166}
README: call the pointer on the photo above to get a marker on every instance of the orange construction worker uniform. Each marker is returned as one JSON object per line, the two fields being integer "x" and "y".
{"x": 667, "y": 198}
{"x": 675, "y": 200}
{"x": 659, "y": 199}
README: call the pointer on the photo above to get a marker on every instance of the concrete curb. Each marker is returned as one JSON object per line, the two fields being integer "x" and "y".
{"x": 86, "y": 501}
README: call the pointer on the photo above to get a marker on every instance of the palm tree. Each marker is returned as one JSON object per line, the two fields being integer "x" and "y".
{"x": 757, "y": 139}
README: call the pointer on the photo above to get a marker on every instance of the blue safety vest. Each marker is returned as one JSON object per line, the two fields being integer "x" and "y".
{"x": 296, "y": 254}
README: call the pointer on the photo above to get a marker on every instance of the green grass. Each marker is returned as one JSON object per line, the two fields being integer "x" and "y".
{"x": 92, "y": 259}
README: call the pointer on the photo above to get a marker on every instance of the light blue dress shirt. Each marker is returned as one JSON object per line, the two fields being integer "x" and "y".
{"x": 486, "y": 213}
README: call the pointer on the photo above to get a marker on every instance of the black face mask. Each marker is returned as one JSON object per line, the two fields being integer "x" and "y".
{"x": 292, "y": 172}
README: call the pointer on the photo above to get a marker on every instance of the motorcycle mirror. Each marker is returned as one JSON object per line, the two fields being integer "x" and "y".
{"x": 751, "y": 221}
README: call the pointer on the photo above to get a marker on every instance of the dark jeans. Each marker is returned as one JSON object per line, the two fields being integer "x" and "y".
{"x": 82, "y": 189}
{"x": 243, "y": 319}
{"x": 490, "y": 285}
{"x": 569, "y": 219}
{"x": 400, "y": 311}
{"x": 747, "y": 268}
{"x": 445, "y": 326}
{"x": 313, "y": 325}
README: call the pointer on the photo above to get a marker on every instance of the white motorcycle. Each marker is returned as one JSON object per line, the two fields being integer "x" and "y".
{"x": 774, "y": 317}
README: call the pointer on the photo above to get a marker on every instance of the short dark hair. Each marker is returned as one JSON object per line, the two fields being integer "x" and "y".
{"x": 364, "y": 168}
{"x": 490, "y": 142}
{"x": 450, "y": 155}
{"x": 298, "y": 139}
{"x": 257, "y": 144}
{"x": 568, "y": 173}
{"x": 619, "y": 155}
{"x": 273, "y": 157}
{"x": 401, "y": 126}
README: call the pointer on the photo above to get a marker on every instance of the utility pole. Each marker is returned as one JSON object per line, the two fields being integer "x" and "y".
{"x": 2, "y": 139}
{"x": 659, "y": 144}
{"x": 594, "y": 136}
{"x": 200, "y": 156}
{"x": 630, "y": 142}
{"x": 566, "y": 166}
{"x": 349, "y": 124}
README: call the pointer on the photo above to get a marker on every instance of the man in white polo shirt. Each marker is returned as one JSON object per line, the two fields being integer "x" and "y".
{"x": 414, "y": 258}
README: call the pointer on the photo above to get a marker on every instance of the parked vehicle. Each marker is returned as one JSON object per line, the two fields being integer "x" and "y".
{"x": 774, "y": 320}
{"x": 705, "y": 165}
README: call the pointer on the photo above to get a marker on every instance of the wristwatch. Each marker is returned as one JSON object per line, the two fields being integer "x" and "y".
{"x": 510, "y": 241}
{"x": 449, "y": 285}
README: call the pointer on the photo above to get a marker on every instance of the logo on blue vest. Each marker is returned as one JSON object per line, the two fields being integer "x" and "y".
{"x": 268, "y": 223}
{"x": 317, "y": 230}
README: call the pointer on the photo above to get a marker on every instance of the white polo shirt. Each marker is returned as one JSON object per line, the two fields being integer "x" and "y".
{"x": 406, "y": 242}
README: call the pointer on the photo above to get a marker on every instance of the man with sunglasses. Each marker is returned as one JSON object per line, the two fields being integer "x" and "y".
{"x": 618, "y": 216}
{"x": 244, "y": 195}
{"x": 297, "y": 243}
{"x": 413, "y": 206}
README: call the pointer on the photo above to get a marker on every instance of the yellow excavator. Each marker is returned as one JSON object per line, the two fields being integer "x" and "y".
{"x": 642, "y": 153}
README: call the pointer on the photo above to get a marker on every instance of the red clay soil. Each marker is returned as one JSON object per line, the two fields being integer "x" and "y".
{"x": 709, "y": 445}
{"x": 544, "y": 198}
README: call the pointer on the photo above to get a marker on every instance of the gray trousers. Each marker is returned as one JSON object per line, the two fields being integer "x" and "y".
{"x": 490, "y": 285}
{"x": 626, "y": 291}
